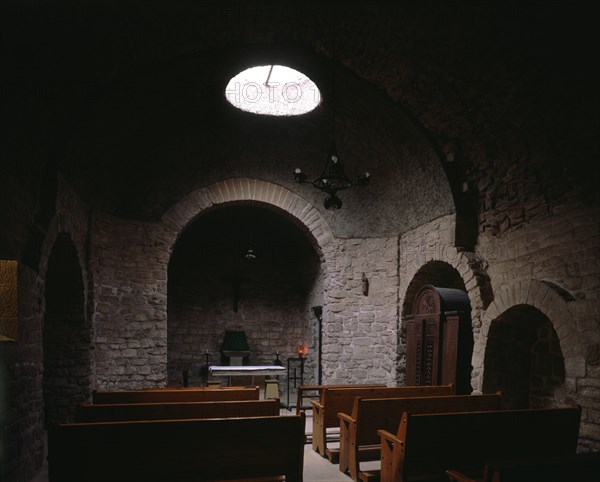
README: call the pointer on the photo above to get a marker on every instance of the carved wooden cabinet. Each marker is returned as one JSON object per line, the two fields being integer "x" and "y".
{"x": 439, "y": 340}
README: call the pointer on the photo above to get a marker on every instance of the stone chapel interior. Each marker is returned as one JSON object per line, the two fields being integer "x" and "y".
{"x": 143, "y": 214}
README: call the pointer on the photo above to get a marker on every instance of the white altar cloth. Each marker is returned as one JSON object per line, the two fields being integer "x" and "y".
{"x": 251, "y": 370}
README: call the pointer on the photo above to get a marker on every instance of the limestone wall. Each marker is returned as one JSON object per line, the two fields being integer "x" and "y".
{"x": 21, "y": 410}
{"x": 129, "y": 262}
{"x": 359, "y": 331}
{"x": 551, "y": 263}
{"x": 548, "y": 262}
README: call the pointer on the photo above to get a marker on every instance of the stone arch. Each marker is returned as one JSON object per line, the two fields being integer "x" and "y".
{"x": 259, "y": 193}
{"x": 549, "y": 302}
{"x": 523, "y": 359}
{"x": 467, "y": 265}
{"x": 75, "y": 226}
{"x": 441, "y": 274}
{"x": 66, "y": 335}
{"x": 249, "y": 190}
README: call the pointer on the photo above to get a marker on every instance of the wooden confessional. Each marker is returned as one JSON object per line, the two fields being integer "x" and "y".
{"x": 439, "y": 339}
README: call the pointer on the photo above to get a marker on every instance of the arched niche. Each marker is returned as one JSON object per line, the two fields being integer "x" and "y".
{"x": 524, "y": 360}
{"x": 240, "y": 266}
{"x": 66, "y": 335}
{"x": 446, "y": 280}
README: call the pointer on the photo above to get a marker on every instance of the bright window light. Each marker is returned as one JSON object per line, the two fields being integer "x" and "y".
{"x": 273, "y": 90}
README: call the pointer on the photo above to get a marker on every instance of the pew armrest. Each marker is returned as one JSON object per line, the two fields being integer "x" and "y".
{"x": 344, "y": 417}
{"x": 456, "y": 476}
{"x": 317, "y": 407}
{"x": 388, "y": 437}
{"x": 347, "y": 428}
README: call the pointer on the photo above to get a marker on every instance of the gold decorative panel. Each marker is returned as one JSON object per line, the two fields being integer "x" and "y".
{"x": 9, "y": 311}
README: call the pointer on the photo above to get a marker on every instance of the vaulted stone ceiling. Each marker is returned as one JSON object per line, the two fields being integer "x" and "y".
{"x": 126, "y": 100}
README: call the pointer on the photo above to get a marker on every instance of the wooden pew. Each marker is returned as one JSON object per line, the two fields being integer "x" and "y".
{"x": 584, "y": 467}
{"x": 335, "y": 400}
{"x": 358, "y": 431}
{"x": 161, "y": 395}
{"x": 176, "y": 410}
{"x": 314, "y": 392}
{"x": 178, "y": 450}
{"x": 426, "y": 445}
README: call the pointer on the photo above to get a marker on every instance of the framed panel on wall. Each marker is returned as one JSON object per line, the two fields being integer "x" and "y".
{"x": 9, "y": 300}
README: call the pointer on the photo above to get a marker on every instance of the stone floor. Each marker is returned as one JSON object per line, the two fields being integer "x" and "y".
{"x": 316, "y": 468}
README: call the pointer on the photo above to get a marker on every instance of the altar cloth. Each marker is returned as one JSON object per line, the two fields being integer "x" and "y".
{"x": 252, "y": 370}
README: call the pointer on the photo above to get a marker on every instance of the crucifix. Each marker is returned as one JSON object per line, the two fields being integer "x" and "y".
{"x": 236, "y": 288}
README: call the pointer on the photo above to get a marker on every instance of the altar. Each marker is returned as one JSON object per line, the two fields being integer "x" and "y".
{"x": 249, "y": 370}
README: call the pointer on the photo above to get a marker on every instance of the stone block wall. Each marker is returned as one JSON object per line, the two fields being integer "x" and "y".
{"x": 359, "y": 331}
{"x": 21, "y": 408}
{"x": 21, "y": 361}
{"x": 548, "y": 261}
{"x": 551, "y": 262}
{"x": 548, "y": 369}
{"x": 129, "y": 264}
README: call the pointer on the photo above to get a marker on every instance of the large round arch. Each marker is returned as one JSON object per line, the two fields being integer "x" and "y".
{"x": 293, "y": 211}
{"x": 240, "y": 268}
{"x": 180, "y": 215}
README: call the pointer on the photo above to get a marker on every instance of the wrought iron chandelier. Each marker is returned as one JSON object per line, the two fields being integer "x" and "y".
{"x": 332, "y": 179}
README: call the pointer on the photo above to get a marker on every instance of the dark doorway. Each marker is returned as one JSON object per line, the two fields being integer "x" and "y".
{"x": 523, "y": 359}
{"x": 66, "y": 335}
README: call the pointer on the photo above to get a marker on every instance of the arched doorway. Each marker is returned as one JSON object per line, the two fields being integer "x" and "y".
{"x": 524, "y": 360}
{"x": 66, "y": 335}
{"x": 445, "y": 278}
{"x": 241, "y": 267}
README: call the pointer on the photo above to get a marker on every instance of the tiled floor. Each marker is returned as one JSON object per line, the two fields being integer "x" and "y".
{"x": 316, "y": 468}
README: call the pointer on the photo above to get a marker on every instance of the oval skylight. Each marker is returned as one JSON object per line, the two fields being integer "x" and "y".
{"x": 273, "y": 90}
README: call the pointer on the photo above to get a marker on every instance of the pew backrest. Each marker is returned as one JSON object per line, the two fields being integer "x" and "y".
{"x": 371, "y": 415}
{"x": 161, "y": 395}
{"x": 313, "y": 392}
{"x": 335, "y": 400}
{"x": 178, "y": 450}
{"x": 359, "y": 439}
{"x": 341, "y": 400}
{"x": 176, "y": 410}
{"x": 582, "y": 467}
{"x": 433, "y": 443}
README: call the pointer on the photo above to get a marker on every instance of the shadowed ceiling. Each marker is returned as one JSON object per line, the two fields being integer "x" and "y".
{"x": 126, "y": 99}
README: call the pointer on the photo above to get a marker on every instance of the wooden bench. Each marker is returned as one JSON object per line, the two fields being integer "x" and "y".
{"x": 313, "y": 392}
{"x": 426, "y": 445}
{"x": 178, "y": 450}
{"x": 176, "y": 410}
{"x": 359, "y": 440}
{"x": 584, "y": 467}
{"x": 335, "y": 400}
{"x": 161, "y": 395}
